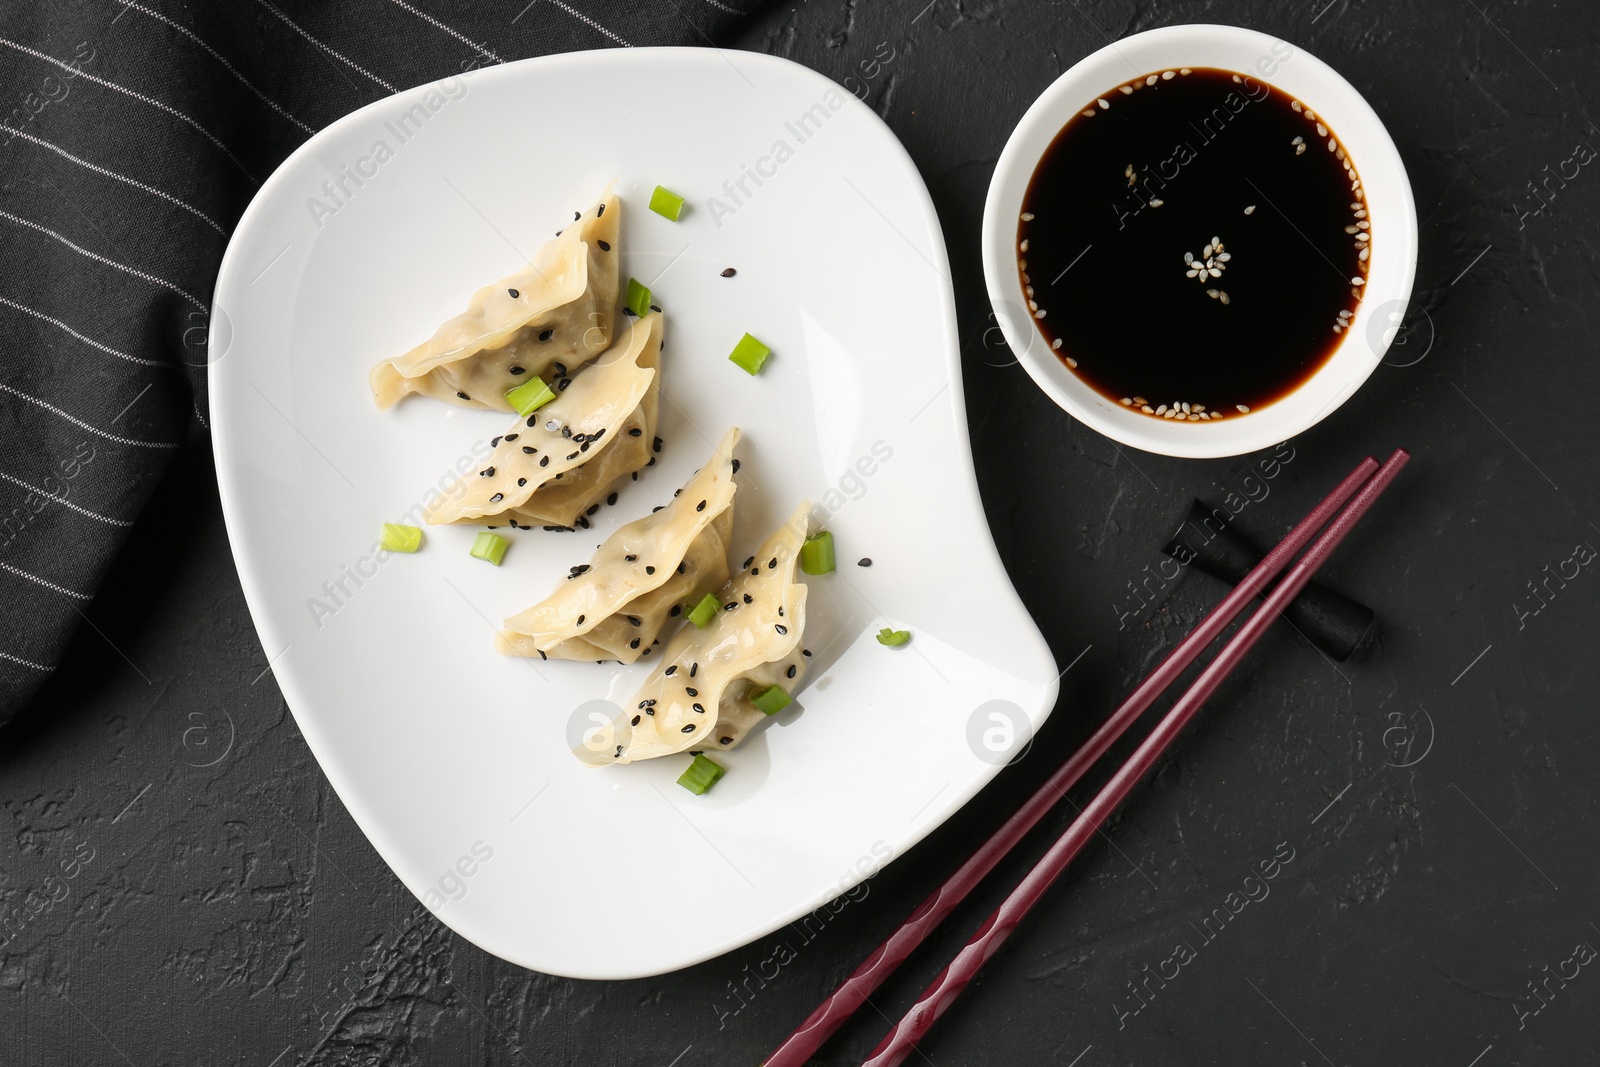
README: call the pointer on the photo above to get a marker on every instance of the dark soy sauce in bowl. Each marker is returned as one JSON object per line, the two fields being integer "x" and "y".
{"x": 1194, "y": 244}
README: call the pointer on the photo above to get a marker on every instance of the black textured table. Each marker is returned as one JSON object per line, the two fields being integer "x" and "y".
{"x": 180, "y": 886}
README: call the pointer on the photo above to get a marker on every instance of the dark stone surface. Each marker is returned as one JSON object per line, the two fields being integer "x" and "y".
{"x": 231, "y": 913}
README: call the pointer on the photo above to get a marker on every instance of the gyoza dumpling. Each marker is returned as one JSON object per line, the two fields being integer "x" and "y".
{"x": 698, "y": 697}
{"x": 549, "y": 318}
{"x": 551, "y": 466}
{"x": 614, "y": 606}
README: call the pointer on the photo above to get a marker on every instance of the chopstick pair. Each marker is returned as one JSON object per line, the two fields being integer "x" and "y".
{"x": 1364, "y": 484}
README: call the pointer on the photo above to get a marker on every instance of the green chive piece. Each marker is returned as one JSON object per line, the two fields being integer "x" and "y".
{"x": 530, "y": 396}
{"x": 666, "y": 203}
{"x": 702, "y": 613}
{"x": 816, "y": 555}
{"x": 701, "y": 775}
{"x": 750, "y": 354}
{"x": 893, "y": 638}
{"x": 492, "y": 547}
{"x": 772, "y": 700}
{"x": 638, "y": 297}
{"x": 397, "y": 538}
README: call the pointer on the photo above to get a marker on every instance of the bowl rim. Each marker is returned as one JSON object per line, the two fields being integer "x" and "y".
{"x": 1387, "y": 193}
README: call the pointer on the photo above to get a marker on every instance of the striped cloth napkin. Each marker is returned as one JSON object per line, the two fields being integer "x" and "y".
{"x": 132, "y": 135}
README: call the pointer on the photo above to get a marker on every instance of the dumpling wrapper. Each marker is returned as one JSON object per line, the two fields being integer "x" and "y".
{"x": 564, "y": 470}
{"x": 568, "y": 289}
{"x": 643, "y": 573}
{"x": 744, "y": 650}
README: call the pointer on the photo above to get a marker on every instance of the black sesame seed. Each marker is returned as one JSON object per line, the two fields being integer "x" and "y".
{"x": 652, "y": 463}
{"x": 581, "y": 618}
{"x": 572, "y": 455}
{"x": 532, "y": 421}
{"x": 729, "y": 272}
{"x": 677, "y": 609}
{"x": 544, "y": 461}
{"x": 725, "y": 740}
{"x": 649, "y": 570}
{"x": 635, "y": 475}
{"x": 635, "y": 432}
{"x": 519, "y": 370}
{"x": 494, "y": 442}
{"x": 494, "y": 527}
{"x": 584, "y": 447}
{"x": 541, "y": 653}
{"x": 635, "y": 721}
{"x": 657, "y": 508}
{"x": 582, "y": 523}
{"x": 487, "y": 472}
{"x": 736, "y": 466}
{"x": 514, "y": 293}
{"x": 650, "y": 703}
{"x": 781, "y": 628}
{"x": 687, "y": 729}
{"x": 528, "y": 450}
{"x": 634, "y": 620}
{"x": 748, "y": 560}
{"x": 693, "y": 667}
{"x": 656, "y": 308}
{"x": 671, "y": 670}
{"x": 700, "y": 506}
{"x": 580, "y": 568}
{"x": 790, "y": 671}
{"x": 592, "y": 509}
{"x": 521, "y": 482}
{"x": 780, "y": 611}
{"x": 772, "y": 563}
{"x": 576, "y": 215}
{"x": 691, "y": 690}
{"x": 545, "y": 335}
{"x": 649, "y": 711}
{"x": 604, "y": 246}
{"x": 619, "y": 752}
{"x": 864, "y": 561}
{"x": 497, "y": 498}
{"x": 558, "y": 369}
{"x": 806, "y": 652}
{"x": 682, "y": 567}
{"x": 676, "y": 492}
{"x": 601, "y": 210}
{"x": 462, "y": 395}
{"x": 611, "y": 498}
{"x": 656, "y": 445}
{"x": 730, "y": 605}
{"x": 699, "y": 708}
{"x": 561, "y": 386}
{"x": 755, "y": 571}
{"x": 630, "y": 313}
{"x": 748, "y": 599}
{"x": 512, "y": 436}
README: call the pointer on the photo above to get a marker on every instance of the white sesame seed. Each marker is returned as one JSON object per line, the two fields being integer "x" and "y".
{"x": 1126, "y": 90}
{"x": 1244, "y": 409}
{"x": 1033, "y": 305}
{"x": 1039, "y": 314}
{"x": 1056, "y": 344}
{"x": 1238, "y": 79}
{"x": 1140, "y": 400}
{"x": 1338, "y": 329}
{"x": 1360, "y": 212}
{"x": 1332, "y": 144}
{"x": 1028, "y": 290}
{"x": 1341, "y": 156}
{"x": 1127, "y": 401}
{"x": 1188, "y": 257}
{"x": 1311, "y": 114}
{"x": 1362, "y": 255}
{"x": 1352, "y": 229}
{"x": 1206, "y": 252}
{"x": 1194, "y": 418}
{"x": 1322, "y": 131}
{"x": 1185, "y": 407}
{"x": 1225, "y": 257}
{"x": 1146, "y": 409}
{"x": 1104, "y": 103}
{"x": 1358, "y": 281}
{"x": 1199, "y": 407}
{"x": 1212, "y": 293}
{"x": 1072, "y": 362}
{"x": 1157, "y": 202}
{"x": 1023, "y": 247}
{"x": 1296, "y": 105}
{"x": 1298, "y": 140}
{"x": 1027, "y": 216}
{"x": 1217, "y": 241}
{"x": 1150, "y": 80}
{"x": 1162, "y": 410}
{"x": 1185, "y": 70}
{"x": 1251, "y": 210}
{"x": 1089, "y": 114}
{"x": 1299, "y": 149}
{"x": 1168, "y": 75}
{"x": 1363, "y": 225}
{"x": 1222, "y": 297}
{"x": 1363, "y": 236}
{"x": 1205, "y": 417}
{"x": 1215, "y": 273}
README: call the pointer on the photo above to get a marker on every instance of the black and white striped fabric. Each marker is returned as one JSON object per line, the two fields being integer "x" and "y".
{"x": 132, "y": 135}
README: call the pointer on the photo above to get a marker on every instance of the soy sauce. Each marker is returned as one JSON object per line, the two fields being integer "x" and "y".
{"x": 1127, "y": 206}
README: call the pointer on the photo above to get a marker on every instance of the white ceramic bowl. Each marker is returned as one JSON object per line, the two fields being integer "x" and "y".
{"x": 1389, "y": 203}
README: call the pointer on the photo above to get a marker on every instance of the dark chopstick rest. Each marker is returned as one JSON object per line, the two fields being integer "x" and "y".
{"x": 1328, "y": 619}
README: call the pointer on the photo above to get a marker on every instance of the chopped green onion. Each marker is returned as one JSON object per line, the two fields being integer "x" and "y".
{"x": 893, "y": 638}
{"x": 772, "y": 700}
{"x": 666, "y": 203}
{"x": 397, "y": 538}
{"x": 492, "y": 547}
{"x": 702, "y": 613}
{"x": 750, "y": 354}
{"x": 701, "y": 775}
{"x": 816, "y": 555}
{"x": 530, "y": 396}
{"x": 638, "y": 297}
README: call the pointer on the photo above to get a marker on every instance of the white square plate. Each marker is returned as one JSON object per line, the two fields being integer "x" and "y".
{"x": 454, "y": 760}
